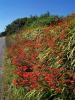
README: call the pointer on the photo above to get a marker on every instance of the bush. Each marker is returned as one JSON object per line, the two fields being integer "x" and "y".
{"x": 43, "y": 63}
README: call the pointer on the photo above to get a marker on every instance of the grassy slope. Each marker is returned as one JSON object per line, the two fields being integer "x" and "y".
{"x": 32, "y": 32}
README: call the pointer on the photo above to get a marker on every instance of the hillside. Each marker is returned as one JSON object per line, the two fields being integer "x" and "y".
{"x": 40, "y": 60}
{"x": 30, "y": 22}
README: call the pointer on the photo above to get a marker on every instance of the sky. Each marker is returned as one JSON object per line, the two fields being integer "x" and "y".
{"x": 13, "y": 9}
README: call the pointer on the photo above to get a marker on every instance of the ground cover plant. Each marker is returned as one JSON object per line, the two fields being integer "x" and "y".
{"x": 40, "y": 62}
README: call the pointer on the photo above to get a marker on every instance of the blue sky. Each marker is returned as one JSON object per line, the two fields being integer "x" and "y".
{"x": 13, "y": 9}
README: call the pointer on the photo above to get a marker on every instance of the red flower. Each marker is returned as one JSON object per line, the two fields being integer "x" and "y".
{"x": 24, "y": 68}
{"x": 25, "y": 75}
{"x": 14, "y": 82}
{"x": 62, "y": 35}
{"x": 58, "y": 90}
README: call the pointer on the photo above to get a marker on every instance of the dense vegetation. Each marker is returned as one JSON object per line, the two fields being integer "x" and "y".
{"x": 29, "y": 22}
{"x": 40, "y": 61}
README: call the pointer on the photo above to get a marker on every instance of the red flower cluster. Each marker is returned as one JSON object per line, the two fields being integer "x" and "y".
{"x": 55, "y": 78}
{"x": 27, "y": 79}
{"x": 31, "y": 72}
{"x": 59, "y": 78}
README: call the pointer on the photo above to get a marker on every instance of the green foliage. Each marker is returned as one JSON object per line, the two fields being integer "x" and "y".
{"x": 31, "y": 22}
{"x": 38, "y": 95}
{"x": 69, "y": 56}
